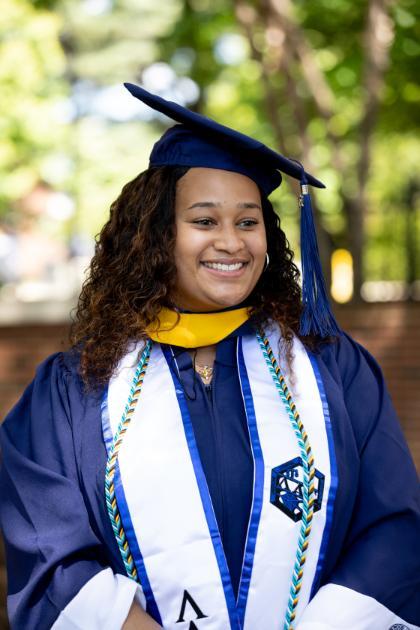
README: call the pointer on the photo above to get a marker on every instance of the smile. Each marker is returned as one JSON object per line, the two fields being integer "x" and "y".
{"x": 224, "y": 266}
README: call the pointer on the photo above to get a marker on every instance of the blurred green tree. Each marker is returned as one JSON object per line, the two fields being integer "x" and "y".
{"x": 331, "y": 83}
{"x": 32, "y": 65}
{"x": 336, "y": 82}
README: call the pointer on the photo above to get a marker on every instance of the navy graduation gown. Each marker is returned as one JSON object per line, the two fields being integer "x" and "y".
{"x": 56, "y": 528}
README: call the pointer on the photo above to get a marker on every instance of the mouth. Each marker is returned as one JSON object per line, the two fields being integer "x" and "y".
{"x": 225, "y": 267}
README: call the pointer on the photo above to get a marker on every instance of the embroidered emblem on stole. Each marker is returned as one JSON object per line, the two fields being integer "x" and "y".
{"x": 187, "y": 599}
{"x": 287, "y": 488}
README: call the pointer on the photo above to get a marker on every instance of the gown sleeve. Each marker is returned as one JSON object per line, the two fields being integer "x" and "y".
{"x": 57, "y": 570}
{"x": 375, "y": 583}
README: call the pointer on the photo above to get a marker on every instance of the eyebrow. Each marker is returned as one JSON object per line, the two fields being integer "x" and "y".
{"x": 211, "y": 204}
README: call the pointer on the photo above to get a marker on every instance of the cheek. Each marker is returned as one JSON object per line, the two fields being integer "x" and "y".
{"x": 188, "y": 247}
{"x": 181, "y": 244}
{"x": 259, "y": 246}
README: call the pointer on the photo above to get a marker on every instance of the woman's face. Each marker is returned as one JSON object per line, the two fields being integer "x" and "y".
{"x": 220, "y": 239}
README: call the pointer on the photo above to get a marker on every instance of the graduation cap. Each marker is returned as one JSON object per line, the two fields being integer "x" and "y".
{"x": 199, "y": 141}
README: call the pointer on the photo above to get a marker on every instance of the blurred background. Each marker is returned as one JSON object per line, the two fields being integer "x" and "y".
{"x": 332, "y": 83}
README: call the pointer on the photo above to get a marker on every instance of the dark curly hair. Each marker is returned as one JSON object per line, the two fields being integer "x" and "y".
{"x": 132, "y": 275}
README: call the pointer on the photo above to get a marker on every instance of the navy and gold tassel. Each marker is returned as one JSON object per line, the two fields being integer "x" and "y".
{"x": 317, "y": 317}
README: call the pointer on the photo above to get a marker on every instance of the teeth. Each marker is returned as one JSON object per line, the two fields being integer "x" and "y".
{"x": 223, "y": 267}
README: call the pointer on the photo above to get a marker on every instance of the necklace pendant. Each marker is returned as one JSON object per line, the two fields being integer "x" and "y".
{"x": 205, "y": 371}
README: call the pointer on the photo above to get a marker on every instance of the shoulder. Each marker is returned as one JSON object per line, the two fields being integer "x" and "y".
{"x": 353, "y": 376}
{"x": 349, "y": 360}
{"x": 59, "y": 370}
{"x": 59, "y": 365}
{"x": 342, "y": 357}
{"x": 49, "y": 396}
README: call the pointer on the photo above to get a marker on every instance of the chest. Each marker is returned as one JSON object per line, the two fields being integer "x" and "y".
{"x": 164, "y": 500}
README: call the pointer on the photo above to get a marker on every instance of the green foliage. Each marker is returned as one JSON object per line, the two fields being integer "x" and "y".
{"x": 49, "y": 51}
{"x": 333, "y": 30}
{"x": 32, "y": 64}
{"x": 117, "y": 43}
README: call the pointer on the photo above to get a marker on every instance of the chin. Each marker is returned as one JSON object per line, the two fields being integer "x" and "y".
{"x": 228, "y": 301}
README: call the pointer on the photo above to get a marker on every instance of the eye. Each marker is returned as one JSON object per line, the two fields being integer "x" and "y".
{"x": 205, "y": 222}
{"x": 248, "y": 223}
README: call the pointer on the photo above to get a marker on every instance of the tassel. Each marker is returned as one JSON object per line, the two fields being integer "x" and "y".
{"x": 317, "y": 317}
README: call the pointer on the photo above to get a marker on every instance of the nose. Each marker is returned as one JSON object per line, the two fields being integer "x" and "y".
{"x": 229, "y": 240}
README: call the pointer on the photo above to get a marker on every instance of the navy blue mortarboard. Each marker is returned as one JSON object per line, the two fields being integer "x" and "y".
{"x": 199, "y": 141}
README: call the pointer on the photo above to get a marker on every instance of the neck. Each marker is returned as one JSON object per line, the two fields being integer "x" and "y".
{"x": 204, "y": 311}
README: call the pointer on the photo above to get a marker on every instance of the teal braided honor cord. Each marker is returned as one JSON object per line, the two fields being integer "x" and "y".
{"x": 308, "y": 490}
{"x": 111, "y": 500}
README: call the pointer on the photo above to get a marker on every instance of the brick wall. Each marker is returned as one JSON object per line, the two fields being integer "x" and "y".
{"x": 22, "y": 348}
{"x": 391, "y": 332}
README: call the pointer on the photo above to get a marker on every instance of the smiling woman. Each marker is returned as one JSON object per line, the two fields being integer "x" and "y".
{"x": 213, "y": 452}
{"x": 221, "y": 246}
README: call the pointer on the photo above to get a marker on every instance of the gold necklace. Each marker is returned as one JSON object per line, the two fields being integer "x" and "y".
{"x": 205, "y": 371}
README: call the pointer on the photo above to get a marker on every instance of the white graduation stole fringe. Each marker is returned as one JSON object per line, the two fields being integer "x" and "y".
{"x": 166, "y": 510}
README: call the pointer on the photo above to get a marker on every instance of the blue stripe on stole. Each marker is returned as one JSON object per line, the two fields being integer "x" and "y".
{"x": 205, "y": 496}
{"x": 106, "y": 424}
{"x": 334, "y": 475}
{"x": 257, "y": 500}
{"x": 151, "y": 606}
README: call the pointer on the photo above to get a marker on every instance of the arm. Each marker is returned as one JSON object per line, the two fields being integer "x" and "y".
{"x": 376, "y": 580}
{"x": 139, "y": 620}
{"x": 58, "y": 573}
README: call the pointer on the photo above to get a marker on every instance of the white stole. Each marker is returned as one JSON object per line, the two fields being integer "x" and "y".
{"x": 166, "y": 508}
